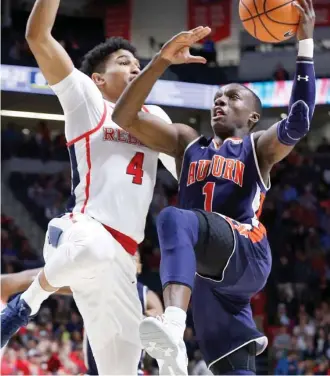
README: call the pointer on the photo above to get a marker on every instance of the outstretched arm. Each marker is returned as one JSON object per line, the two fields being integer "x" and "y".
{"x": 277, "y": 142}
{"x": 52, "y": 58}
{"x": 149, "y": 129}
{"x": 14, "y": 283}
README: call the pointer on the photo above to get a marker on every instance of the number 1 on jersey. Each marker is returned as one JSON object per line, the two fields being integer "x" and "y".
{"x": 135, "y": 168}
{"x": 208, "y": 191}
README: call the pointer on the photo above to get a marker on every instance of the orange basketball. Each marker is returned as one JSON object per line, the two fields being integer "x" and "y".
{"x": 269, "y": 21}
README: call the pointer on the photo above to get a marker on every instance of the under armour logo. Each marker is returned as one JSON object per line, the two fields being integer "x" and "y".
{"x": 299, "y": 78}
{"x": 153, "y": 347}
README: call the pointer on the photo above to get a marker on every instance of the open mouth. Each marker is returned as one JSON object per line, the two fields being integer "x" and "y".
{"x": 218, "y": 113}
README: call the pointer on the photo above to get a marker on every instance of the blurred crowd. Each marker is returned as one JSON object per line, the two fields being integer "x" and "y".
{"x": 16, "y": 252}
{"x": 293, "y": 309}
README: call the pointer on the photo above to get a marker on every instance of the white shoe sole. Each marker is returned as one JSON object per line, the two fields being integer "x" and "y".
{"x": 160, "y": 345}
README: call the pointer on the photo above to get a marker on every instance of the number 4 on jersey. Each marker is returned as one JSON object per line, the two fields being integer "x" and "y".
{"x": 135, "y": 168}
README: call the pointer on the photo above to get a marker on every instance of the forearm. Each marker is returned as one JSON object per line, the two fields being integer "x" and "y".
{"x": 303, "y": 89}
{"x": 304, "y": 81}
{"x": 277, "y": 142}
{"x": 17, "y": 282}
{"x": 42, "y": 19}
{"x": 134, "y": 96}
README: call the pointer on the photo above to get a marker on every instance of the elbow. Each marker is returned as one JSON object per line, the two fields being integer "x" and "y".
{"x": 116, "y": 118}
{"x": 120, "y": 118}
{"x": 33, "y": 38}
{"x": 34, "y": 34}
{"x": 30, "y": 34}
{"x": 115, "y": 115}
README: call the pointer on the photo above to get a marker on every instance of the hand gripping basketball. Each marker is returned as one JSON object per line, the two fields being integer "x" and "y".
{"x": 176, "y": 50}
{"x": 307, "y": 19}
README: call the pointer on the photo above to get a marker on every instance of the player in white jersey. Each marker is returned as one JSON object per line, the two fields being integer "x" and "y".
{"x": 14, "y": 283}
{"x": 91, "y": 248}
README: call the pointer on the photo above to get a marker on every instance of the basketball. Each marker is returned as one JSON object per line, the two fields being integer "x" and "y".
{"x": 270, "y": 21}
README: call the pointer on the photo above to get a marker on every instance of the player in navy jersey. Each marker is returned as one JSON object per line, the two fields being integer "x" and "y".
{"x": 213, "y": 246}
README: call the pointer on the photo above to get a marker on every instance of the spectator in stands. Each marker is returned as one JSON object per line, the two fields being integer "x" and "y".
{"x": 287, "y": 365}
{"x": 280, "y": 73}
{"x": 282, "y": 342}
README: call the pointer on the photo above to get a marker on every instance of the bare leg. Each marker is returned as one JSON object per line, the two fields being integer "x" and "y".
{"x": 177, "y": 296}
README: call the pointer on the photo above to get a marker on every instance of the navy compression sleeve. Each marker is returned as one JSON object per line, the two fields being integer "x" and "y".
{"x": 296, "y": 125}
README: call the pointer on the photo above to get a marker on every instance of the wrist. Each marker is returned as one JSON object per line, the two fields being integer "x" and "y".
{"x": 306, "y": 48}
{"x": 161, "y": 62}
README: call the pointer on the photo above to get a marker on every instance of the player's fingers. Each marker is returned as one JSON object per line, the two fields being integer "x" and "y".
{"x": 200, "y": 34}
{"x": 196, "y": 29}
{"x": 311, "y": 8}
{"x": 305, "y": 6}
{"x": 196, "y": 60}
{"x": 183, "y": 38}
{"x": 300, "y": 8}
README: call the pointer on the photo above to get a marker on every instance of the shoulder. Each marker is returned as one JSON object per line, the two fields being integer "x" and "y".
{"x": 75, "y": 78}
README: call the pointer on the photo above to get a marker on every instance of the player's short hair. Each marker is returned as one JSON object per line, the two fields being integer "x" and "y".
{"x": 94, "y": 60}
{"x": 257, "y": 101}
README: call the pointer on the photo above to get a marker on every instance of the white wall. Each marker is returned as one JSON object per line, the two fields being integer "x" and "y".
{"x": 158, "y": 18}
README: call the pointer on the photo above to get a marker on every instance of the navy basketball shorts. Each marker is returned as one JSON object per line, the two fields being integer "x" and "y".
{"x": 233, "y": 263}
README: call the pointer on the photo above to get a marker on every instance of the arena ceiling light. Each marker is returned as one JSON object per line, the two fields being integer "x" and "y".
{"x": 32, "y": 115}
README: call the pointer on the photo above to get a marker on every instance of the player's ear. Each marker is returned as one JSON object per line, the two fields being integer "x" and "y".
{"x": 253, "y": 119}
{"x": 98, "y": 79}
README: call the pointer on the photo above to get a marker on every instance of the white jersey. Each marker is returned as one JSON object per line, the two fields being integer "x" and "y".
{"x": 113, "y": 174}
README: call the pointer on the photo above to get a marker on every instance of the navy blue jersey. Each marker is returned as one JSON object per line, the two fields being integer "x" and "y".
{"x": 223, "y": 179}
{"x": 227, "y": 180}
{"x": 89, "y": 357}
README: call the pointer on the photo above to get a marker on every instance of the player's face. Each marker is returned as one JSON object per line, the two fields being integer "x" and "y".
{"x": 232, "y": 111}
{"x": 121, "y": 68}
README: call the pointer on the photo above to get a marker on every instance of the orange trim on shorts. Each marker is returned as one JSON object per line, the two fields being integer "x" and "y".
{"x": 257, "y": 233}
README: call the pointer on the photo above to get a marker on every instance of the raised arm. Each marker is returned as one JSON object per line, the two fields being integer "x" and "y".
{"x": 149, "y": 129}
{"x": 52, "y": 58}
{"x": 277, "y": 142}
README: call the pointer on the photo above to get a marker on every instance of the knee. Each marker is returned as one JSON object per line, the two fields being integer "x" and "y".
{"x": 177, "y": 228}
{"x": 168, "y": 220}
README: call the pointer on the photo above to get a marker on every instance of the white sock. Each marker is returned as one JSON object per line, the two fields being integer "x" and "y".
{"x": 35, "y": 295}
{"x": 177, "y": 316}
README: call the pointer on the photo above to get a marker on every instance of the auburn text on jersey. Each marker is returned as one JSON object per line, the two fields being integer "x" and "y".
{"x": 219, "y": 167}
